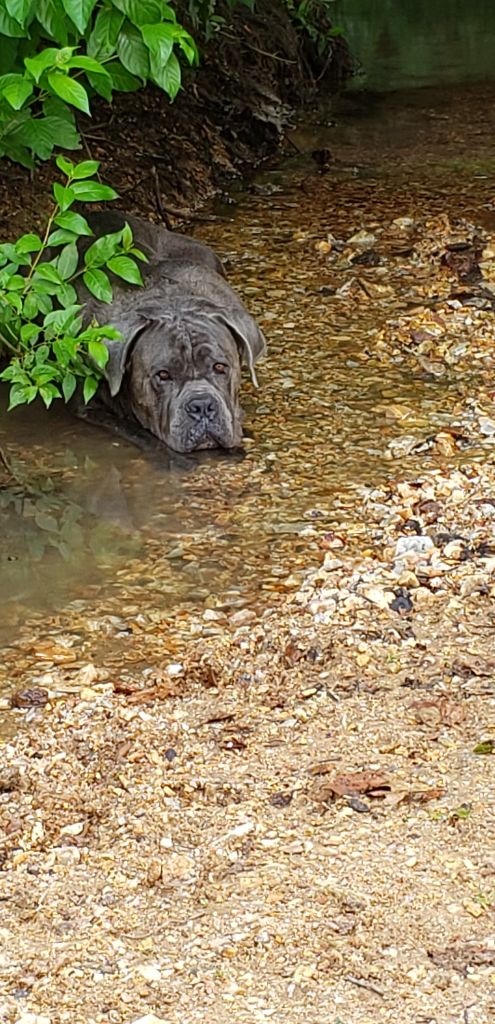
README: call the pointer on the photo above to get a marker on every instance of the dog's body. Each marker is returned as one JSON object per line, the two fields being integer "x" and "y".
{"x": 186, "y": 332}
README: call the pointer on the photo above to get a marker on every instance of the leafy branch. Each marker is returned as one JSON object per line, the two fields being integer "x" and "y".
{"x": 41, "y": 323}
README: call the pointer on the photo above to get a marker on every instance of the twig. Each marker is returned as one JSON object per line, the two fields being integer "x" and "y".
{"x": 264, "y": 53}
{"x": 171, "y": 211}
{"x": 5, "y": 462}
{"x": 88, "y": 151}
{"x": 159, "y": 202}
{"x": 326, "y": 65}
{"x": 361, "y": 983}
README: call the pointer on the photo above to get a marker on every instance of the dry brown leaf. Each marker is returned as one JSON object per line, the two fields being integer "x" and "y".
{"x": 353, "y": 783}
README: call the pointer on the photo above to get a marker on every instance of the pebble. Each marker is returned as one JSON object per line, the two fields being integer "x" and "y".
{"x": 211, "y": 615}
{"x": 474, "y": 585}
{"x": 150, "y": 972}
{"x": 377, "y": 595}
{"x": 149, "y": 1018}
{"x": 33, "y": 1018}
{"x": 363, "y": 238}
{"x": 417, "y": 545}
{"x": 242, "y": 617}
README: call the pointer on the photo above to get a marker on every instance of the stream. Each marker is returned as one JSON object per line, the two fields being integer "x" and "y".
{"x": 89, "y": 521}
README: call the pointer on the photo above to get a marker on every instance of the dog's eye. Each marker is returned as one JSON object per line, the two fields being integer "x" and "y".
{"x": 163, "y": 375}
{"x": 219, "y": 368}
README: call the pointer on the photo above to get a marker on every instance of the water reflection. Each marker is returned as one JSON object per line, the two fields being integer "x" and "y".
{"x": 412, "y": 43}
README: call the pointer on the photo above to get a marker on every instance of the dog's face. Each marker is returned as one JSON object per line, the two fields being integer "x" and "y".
{"x": 179, "y": 371}
{"x": 183, "y": 380}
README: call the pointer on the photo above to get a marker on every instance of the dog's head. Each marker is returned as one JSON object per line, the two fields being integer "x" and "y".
{"x": 180, "y": 371}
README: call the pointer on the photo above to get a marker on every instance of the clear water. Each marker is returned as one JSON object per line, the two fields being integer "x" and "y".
{"x": 89, "y": 520}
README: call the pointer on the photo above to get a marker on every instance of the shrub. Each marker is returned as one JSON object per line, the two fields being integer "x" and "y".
{"x": 42, "y": 332}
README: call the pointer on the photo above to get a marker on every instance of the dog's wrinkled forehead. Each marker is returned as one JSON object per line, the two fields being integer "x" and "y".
{"x": 184, "y": 344}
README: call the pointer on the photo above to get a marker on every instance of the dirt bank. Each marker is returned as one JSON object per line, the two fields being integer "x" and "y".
{"x": 164, "y": 157}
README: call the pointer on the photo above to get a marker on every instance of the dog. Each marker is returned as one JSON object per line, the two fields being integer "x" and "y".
{"x": 185, "y": 333}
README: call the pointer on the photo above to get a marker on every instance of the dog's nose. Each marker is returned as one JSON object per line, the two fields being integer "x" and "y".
{"x": 201, "y": 407}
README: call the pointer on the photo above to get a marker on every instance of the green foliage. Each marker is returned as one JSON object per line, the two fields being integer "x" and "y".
{"x": 96, "y": 46}
{"x": 57, "y": 54}
{"x": 41, "y": 326}
{"x": 313, "y": 18}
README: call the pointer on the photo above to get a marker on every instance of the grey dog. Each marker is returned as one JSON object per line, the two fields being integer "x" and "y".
{"x": 185, "y": 336}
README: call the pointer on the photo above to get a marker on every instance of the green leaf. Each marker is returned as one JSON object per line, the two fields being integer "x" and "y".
{"x": 66, "y": 320}
{"x": 160, "y": 42}
{"x": 67, "y": 261}
{"x": 31, "y": 307}
{"x": 16, "y": 90}
{"x": 44, "y": 60}
{"x": 18, "y": 9}
{"x": 41, "y": 356}
{"x": 54, "y": 107}
{"x": 19, "y": 154}
{"x": 52, "y": 17}
{"x": 9, "y": 26}
{"x": 98, "y": 284}
{"x": 92, "y": 191}
{"x": 21, "y": 394}
{"x": 69, "y": 90}
{"x": 64, "y": 165}
{"x": 102, "y": 84}
{"x": 61, "y": 237}
{"x": 133, "y": 52}
{"x": 67, "y": 295}
{"x": 46, "y": 522}
{"x": 41, "y": 134}
{"x": 485, "y": 747}
{"x": 122, "y": 80}
{"x": 103, "y": 249}
{"x": 79, "y": 11}
{"x": 169, "y": 77}
{"x": 48, "y": 272}
{"x": 45, "y": 303}
{"x": 71, "y": 221}
{"x": 69, "y": 385}
{"x": 28, "y": 243}
{"x": 35, "y": 134}
{"x": 16, "y": 283}
{"x": 64, "y": 349}
{"x": 88, "y": 64}
{"x": 125, "y": 268}
{"x": 102, "y": 42}
{"x": 64, "y": 132}
{"x": 142, "y": 11}
{"x": 189, "y": 48}
{"x": 127, "y": 237}
{"x": 64, "y": 196}
{"x": 8, "y": 53}
{"x": 99, "y": 353}
{"x": 86, "y": 168}
{"x": 29, "y": 332}
{"x": 168, "y": 12}
{"x": 90, "y": 388}
{"x": 48, "y": 392}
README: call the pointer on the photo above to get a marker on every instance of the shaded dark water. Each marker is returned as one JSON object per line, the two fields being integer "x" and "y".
{"x": 403, "y": 44}
{"x": 88, "y": 519}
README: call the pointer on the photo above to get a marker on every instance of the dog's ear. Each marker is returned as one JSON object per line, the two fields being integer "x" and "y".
{"x": 247, "y": 334}
{"x": 130, "y": 325}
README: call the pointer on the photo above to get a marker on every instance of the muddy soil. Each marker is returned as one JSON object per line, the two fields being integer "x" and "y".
{"x": 164, "y": 158}
{"x": 273, "y": 800}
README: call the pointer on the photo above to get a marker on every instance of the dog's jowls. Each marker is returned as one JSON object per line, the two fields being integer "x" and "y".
{"x": 185, "y": 336}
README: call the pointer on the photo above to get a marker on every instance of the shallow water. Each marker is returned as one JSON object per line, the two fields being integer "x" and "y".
{"x": 89, "y": 518}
